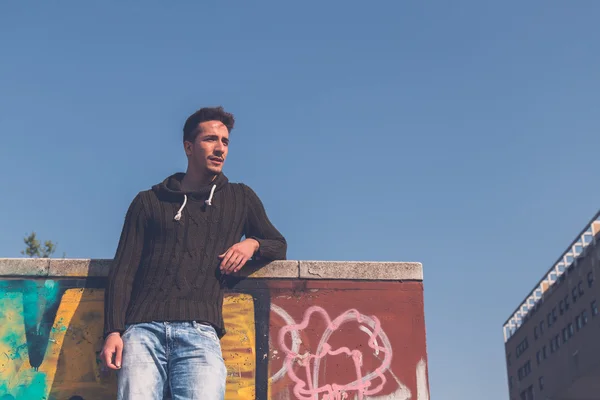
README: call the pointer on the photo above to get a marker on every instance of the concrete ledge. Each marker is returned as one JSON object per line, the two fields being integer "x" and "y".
{"x": 387, "y": 271}
{"x": 24, "y": 266}
{"x": 289, "y": 269}
{"x": 79, "y": 267}
{"x": 275, "y": 269}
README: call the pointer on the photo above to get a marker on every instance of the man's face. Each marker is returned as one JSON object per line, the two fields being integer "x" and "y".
{"x": 208, "y": 152}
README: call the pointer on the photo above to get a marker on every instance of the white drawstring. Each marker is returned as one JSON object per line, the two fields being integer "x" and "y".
{"x": 178, "y": 216}
{"x": 212, "y": 191}
{"x": 208, "y": 202}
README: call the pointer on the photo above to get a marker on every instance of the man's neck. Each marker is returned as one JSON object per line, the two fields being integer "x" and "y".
{"x": 193, "y": 181}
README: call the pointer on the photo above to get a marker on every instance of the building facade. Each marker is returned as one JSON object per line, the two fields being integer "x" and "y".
{"x": 552, "y": 340}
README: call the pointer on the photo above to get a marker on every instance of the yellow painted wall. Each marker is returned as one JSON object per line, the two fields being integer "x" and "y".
{"x": 69, "y": 365}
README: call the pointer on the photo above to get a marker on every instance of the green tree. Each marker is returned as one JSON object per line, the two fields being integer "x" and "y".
{"x": 33, "y": 247}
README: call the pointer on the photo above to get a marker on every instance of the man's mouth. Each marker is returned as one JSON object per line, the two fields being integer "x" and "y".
{"x": 216, "y": 159}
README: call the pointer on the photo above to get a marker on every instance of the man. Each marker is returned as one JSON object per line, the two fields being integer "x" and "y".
{"x": 163, "y": 303}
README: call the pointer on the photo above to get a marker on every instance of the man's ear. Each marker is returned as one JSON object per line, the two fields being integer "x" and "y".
{"x": 187, "y": 147}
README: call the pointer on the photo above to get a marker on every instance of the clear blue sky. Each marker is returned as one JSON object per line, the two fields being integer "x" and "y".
{"x": 463, "y": 135}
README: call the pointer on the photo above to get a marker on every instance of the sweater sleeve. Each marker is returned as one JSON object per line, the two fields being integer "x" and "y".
{"x": 124, "y": 267}
{"x": 272, "y": 244}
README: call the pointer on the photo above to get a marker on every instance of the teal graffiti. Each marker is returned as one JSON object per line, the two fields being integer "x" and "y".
{"x": 36, "y": 389}
{"x": 40, "y": 301}
{"x": 40, "y": 304}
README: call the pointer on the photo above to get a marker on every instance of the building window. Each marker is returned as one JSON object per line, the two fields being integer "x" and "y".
{"x": 524, "y": 371}
{"x": 561, "y": 307}
{"x": 508, "y": 359}
{"x": 574, "y": 294}
{"x": 590, "y": 278}
{"x": 578, "y": 323}
{"x": 566, "y": 302}
{"x": 550, "y": 320}
{"x": 580, "y": 287}
{"x": 594, "y": 307}
{"x": 565, "y": 335}
{"x": 544, "y": 352}
{"x": 521, "y": 347}
{"x": 527, "y": 394}
{"x": 538, "y": 357}
{"x": 584, "y": 317}
{"x": 571, "y": 329}
{"x": 554, "y": 344}
{"x": 535, "y": 332}
{"x": 527, "y": 368}
{"x": 541, "y": 327}
{"x": 530, "y": 393}
{"x": 541, "y": 382}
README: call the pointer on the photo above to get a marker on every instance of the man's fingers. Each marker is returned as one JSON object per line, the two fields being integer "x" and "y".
{"x": 104, "y": 358}
{"x": 236, "y": 262}
{"x": 118, "y": 354}
{"x": 226, "y": 258}
{"x": 112, "y": 352}
{"x": 227, "y": 262}
{"x": 232, "y": 262}
{"x": 240, "y": 264}
{"x": 111, "y": 365}
{"x": 107, "y": 358}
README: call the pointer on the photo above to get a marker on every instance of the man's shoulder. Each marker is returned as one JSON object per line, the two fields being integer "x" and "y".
{"x": 143, "y": 196}
{"x": 238, "y": 186}
{"x": 246, "y": 189}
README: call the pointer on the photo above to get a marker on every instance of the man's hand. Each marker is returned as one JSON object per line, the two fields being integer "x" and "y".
{"x": 237, "y": 255}
{"x": 113, "y": 347}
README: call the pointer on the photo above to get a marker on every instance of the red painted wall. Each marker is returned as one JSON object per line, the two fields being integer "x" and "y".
{"x": 354, "y": 337}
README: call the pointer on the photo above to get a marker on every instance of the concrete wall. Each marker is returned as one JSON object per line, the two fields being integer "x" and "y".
{"x": 369, "y": 314}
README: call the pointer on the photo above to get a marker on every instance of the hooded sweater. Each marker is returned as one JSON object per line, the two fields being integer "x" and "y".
{"x": 166, "y": 266}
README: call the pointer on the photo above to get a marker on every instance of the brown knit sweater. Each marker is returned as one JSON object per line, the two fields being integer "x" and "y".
{"x": 167, "y": 269}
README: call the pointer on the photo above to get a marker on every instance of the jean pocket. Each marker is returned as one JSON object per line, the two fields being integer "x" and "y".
{"x": 206, "y": 330}
{"x": 127, "y": 329}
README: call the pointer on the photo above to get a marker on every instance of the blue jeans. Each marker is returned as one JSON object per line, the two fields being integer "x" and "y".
{"x": 181, "y": 357}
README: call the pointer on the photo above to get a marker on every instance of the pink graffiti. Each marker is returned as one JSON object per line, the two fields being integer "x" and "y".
{"x": 363, "y": 385}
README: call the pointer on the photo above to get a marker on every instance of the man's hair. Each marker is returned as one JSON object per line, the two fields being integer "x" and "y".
{"x": 190, "y": 129}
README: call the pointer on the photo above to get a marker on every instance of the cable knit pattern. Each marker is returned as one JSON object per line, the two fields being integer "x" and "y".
{"x": 168, "y": 270}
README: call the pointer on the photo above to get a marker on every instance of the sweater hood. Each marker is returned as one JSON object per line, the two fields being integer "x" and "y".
{"x": 170, "y": 188}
